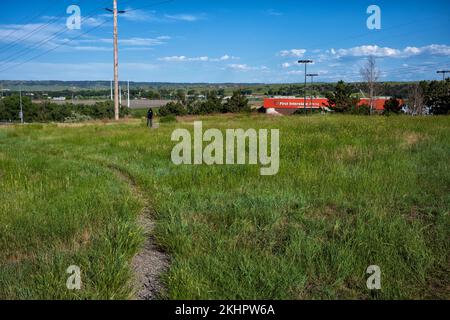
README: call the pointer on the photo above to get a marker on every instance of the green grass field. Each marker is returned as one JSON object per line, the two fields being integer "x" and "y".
{"x": 351, "y": 192}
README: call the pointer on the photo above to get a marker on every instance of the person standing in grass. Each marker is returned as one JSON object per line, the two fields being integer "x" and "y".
{"x": 150, "y": 118}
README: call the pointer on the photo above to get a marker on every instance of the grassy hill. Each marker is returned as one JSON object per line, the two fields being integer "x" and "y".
{"x": 351, "y": 192}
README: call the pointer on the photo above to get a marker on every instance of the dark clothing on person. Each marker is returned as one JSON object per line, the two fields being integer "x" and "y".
{"x": 150, "y": 118}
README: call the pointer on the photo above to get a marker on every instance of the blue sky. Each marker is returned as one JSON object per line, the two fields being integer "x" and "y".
{"x": 224, "y": 41}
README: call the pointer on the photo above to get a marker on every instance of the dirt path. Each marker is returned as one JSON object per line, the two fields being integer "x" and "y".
{"x": 151, "y": 261}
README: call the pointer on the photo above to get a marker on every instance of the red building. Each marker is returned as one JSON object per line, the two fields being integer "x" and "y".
{"x": 315, "y": 103}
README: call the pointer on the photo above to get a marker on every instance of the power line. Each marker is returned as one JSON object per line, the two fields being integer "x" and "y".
{"x": 25, "y": 22}
{"x": 34, "y": 31}
{"x": 25, "y": 51}
{"x": 56, "y": 47}
{"x": 29, "y": 35}
{"x": 40, "y": 44}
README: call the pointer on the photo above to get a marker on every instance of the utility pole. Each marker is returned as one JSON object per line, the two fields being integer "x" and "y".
{"x": 21, "y": 106}
{"x": 116, "y": 64}
{"x": 443, "y": 73}
{"x": 305, "y": 62}
{"x": 312, "y": 75}
{"x": 120, "y": 96}
{"x": 128, "y": 94}
{"x": 116, "y": 59}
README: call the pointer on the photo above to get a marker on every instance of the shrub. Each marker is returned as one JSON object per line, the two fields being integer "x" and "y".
{"x": 237, "y": 103}
{"x": 168, "y": 119}
{"x": 303, "y": 111}
{"x": 172, "y": 108}
{"x": 341, "y": 100}
{"x": 76, "y": 117}
{"x": 392, "y": 106}
{"x": 363, "y": 109}
{"x": 262, "y": 110}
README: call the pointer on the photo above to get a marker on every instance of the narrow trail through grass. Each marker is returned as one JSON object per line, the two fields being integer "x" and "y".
{"x": 151, "y": 261}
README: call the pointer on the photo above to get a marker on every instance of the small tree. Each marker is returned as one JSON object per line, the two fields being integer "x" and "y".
{"x": 415, "y": 99}
{"x": 370, "y": 75}
{"x": 392, "y": 106}
{"x": 341, "y": 100}
{"x": 212, "y": 104}
{"x": 237, "y": 103}
{"x": 437, "y": 96}
{"x": 363, "y": 109}
{"x": 181, "y": 96}
{"x": 172, "y": 108}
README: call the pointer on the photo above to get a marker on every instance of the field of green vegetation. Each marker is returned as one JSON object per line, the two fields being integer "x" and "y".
{"x": 351, "y": 192}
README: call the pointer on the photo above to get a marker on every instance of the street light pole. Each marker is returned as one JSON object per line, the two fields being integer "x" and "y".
{"x": 21, "y": 106}
{"x": 128, "y": 95}
{"x": 305, "y": 62}
{"x": 312, "y": 75}
{"x": 443, "y": 73}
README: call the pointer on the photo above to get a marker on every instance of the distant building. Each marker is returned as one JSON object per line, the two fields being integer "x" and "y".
{"x": 59, "y": 98}
{"x": 289, "y": 103}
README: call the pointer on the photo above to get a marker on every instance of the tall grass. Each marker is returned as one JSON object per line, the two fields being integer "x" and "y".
{"x": 351, "y": 192}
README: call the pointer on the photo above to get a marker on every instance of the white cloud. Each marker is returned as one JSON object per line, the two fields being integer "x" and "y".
{"x": 90, "y": 48}
{"x": 298, "y": 53}
{"x": 433, "y": 49}
{"x": 201, "y": 58}
{"x": 245, "y": 67}
{"x": 137, "y": 15}
{"x": 126, "y": 44}
{"x": 185, "y": 17}
{"x": 174, "y": 58}
{"x": 142, "y": 41}
{"x": 272, "y": 12}
{"x": 368, "y": 50}
{"x": 92, "y": 22}
{"x": 295, "y": 72}
{"x": 286, "y": 65}
{"x": 374, "y": 50}
{"x": 27, "y": 34}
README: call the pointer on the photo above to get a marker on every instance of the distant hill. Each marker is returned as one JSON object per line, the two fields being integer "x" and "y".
{"x": 55, "y": 85}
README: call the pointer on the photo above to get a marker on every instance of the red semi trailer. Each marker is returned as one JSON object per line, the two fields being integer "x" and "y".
{"x": 316, "y": 103}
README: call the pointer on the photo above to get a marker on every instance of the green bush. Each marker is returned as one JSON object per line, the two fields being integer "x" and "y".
{"x": 363, "y": 109}
{"x": 172, "y": 108}
{"x": 307, "y": 111}
{"x": 392, "y": 106}
{"x": 237, "y": 103}
{"x": 167, "y": 119}
{"x": 76, "y": 117}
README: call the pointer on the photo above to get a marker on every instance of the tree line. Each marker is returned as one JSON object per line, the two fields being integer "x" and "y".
{"x": 423, "y": 97}
{"x": 51, "y": 112}
{"x": 213, "y": 103}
